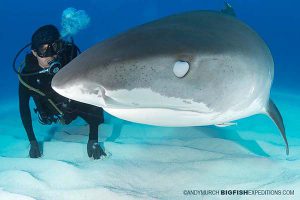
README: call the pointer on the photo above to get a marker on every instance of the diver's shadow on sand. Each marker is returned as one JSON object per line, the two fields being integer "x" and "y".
{"x": 232, "y": 135}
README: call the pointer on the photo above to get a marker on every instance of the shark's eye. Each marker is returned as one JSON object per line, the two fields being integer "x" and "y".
{"x": 181, "y": 68}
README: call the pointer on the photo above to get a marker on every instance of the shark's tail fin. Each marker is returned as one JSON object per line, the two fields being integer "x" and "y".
{"x": 273, "y": 112}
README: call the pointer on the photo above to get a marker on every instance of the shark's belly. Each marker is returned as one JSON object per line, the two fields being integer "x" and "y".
{"x": 179, "y": 118}
{"x": 147, "y": 107}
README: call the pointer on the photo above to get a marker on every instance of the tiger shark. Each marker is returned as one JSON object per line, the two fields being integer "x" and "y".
{"x": 190, "y": 69}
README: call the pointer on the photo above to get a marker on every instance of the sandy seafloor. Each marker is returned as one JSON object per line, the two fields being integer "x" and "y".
{"x": 148, "y": 162}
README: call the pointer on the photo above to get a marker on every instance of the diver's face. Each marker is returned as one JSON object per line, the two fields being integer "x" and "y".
{"x": 43, "y": 61}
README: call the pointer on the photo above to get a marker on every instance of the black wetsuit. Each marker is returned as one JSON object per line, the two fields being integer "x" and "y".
{"x": 91, "y": 114}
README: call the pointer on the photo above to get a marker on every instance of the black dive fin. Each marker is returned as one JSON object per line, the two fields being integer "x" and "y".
{"x": 274, "y": 114}
{"x": 228, "y": 9}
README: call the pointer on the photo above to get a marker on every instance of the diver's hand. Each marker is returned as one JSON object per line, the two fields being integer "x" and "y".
{"x": 94, "y": 149}
{"x": 34, "y": 150}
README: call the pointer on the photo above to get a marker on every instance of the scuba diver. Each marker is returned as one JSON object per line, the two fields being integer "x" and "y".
{"x": 49, "y": 53}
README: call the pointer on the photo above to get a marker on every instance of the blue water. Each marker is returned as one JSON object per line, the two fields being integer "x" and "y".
{"x": 278, "y": 23}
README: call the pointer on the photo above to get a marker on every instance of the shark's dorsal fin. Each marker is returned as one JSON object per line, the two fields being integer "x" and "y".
{"x": 228, "y": 10}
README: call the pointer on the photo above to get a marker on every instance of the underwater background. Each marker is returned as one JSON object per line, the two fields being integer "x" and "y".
{"x": 151, "y": 162}
{"x": 277, "y": 22}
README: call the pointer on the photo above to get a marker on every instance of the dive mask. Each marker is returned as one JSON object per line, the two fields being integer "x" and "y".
{"x": 51, "y": 49}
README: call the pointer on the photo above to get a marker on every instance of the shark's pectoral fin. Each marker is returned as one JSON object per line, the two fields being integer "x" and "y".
{"x": 225, "y": 124}
{"x": 273, "y": 112}
{"x": 110, "y": 102}
{"x": 106, "y": 100}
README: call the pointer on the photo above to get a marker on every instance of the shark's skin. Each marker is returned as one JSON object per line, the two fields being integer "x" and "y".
{"x": 131, "y": 75}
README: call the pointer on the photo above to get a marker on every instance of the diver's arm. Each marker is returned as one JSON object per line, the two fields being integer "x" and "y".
{"x": 24, "y": 97}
